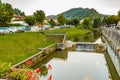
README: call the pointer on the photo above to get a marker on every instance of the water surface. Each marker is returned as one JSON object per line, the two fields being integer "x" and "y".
{"x": 75, "y": 66}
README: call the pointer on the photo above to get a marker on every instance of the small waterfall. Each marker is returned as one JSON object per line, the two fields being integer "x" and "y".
{"x": 86, "y": 47}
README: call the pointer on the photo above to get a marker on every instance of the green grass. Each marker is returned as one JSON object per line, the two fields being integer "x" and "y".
{"x": 19, "y": 46}
{"x": 71, "y": 32}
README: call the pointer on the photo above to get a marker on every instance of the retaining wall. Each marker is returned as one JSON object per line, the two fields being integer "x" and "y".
{"x": 35, "y": 57}
{"x": 112, "y": 46}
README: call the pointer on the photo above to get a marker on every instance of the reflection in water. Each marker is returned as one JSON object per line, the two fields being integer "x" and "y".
{"x": 75, "y": 66}
{"x": 61, "y": 55}
{"x": 44, "y": 70}
{"x": 88, "y": 37}
{"x": 115, "y": 58}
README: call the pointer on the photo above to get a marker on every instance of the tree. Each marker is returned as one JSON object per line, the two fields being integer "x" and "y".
{"x": 52, "y": 22}
{"x": 30, "y": 20}
{"x": 61, "y": 19}
{"x": 111, "y": 20}
{"x": 39, "y": 16}
{"x": 6, "y": 13}
{"x": 86, "y": 23}
{"x": 19, "y": 12}
{"x": 96, "y": 22}
{"x": 75, "y": 21}
{"x": 119, "y": 13}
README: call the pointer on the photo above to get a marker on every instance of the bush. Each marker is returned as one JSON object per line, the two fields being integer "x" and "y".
{"x": 4, "y": 68}
{"x": 2, "y": 33}
{"x": 20, "y": 31}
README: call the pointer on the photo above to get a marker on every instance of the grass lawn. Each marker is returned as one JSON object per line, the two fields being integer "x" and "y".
{"x": 71, "y": 32}
{"x": 19, "y": 46}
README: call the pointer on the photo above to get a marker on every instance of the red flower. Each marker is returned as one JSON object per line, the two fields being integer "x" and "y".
{"x": 29, "y": 62}
{"x": 50, "y": 77}
{"x": 30, "y": 74}
{"x": 34, "y": 78}
{"x": 37, "y": 70}
{"x": 49, "y": 67}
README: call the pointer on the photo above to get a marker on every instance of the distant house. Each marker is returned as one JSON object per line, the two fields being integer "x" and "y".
{"x": 18, "y": 20}
{"x": 118, "y": 25}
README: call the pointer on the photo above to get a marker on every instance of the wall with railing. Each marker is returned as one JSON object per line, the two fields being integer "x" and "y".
{"x": 112, "y": 38}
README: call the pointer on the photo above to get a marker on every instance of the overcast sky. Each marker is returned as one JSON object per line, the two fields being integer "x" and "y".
{"x": 52, "y": 7}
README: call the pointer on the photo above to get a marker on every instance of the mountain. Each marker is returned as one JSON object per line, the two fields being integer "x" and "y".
{"x": 78, "y": 13}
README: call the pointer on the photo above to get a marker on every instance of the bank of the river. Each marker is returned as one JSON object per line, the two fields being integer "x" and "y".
{"x": 71, "y": 32}
{"x": 19, "y": 46}
{"x": 113, "y": 72}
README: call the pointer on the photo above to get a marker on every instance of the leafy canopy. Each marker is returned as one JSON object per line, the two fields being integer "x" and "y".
{"x": 39, "y": 16}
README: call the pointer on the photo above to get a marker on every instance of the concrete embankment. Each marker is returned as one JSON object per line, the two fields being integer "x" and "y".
{"x": 110, "y": 37}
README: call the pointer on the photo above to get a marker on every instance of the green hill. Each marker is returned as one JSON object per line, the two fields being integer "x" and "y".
{"x": 78, "y": 13}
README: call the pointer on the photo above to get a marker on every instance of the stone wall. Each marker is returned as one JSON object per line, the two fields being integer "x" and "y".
{"x": 111, "y": 38}
{"x": 37, "y": 56}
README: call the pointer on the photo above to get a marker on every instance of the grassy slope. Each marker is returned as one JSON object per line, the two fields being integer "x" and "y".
{"x": 19, "y": 46}
{"x": 71, "y": 32}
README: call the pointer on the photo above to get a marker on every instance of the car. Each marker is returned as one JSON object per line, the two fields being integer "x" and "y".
{"x": 4, "y": 30}
{"x": 62, "y": 27}
{"x": 12, "y": 29}
{"x": 24, "y": 28}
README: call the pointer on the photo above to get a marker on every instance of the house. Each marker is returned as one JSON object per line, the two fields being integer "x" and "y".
{"x": 118, "y": 25}
{"x": 18, "y": 20}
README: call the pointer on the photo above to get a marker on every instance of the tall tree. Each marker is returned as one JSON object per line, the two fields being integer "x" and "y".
{"x": 18, "y": 12}
{"x": 30, "y": 20}
{"x": 52, "y": 23}
{"x": 75, "y": 21}
{"x": 39, "y": 16}
{"x": 96, "y": 22}
{"x": 6, "y": 12}
{"x": 119, "y": 13}
{"x": 61, "y": 19}
{"x": 86, "y": 23}
{"x": 111, "y": 20}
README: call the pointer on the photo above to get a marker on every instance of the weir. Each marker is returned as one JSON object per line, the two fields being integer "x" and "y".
{"x": 85, "y": 46}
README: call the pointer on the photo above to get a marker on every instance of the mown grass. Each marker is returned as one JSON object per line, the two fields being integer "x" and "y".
{"x": 19, "y": 46}
{"x": 71, "y": 32}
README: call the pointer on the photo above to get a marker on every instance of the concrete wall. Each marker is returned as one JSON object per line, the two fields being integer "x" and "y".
{"x": 112, "y": 46}
{"x": 56, "y": 37}
{"x": 60, "y": 38}
{"x": 37, "y": 56}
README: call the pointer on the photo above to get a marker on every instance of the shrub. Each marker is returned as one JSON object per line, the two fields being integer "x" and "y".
{"x": 4, "y": 68}
{"x": 2, "y": 33}
{"x": 20, "y": 31}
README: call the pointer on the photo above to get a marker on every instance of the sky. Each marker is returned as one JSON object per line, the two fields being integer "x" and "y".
{"x": 53, "y": 7}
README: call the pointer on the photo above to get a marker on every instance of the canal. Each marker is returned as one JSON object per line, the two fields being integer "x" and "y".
{"x": 74, "y": 65}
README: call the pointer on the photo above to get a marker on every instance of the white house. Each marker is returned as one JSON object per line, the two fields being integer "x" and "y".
{"x": 18, "y": 20}
{"x": 118, "y": 25}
